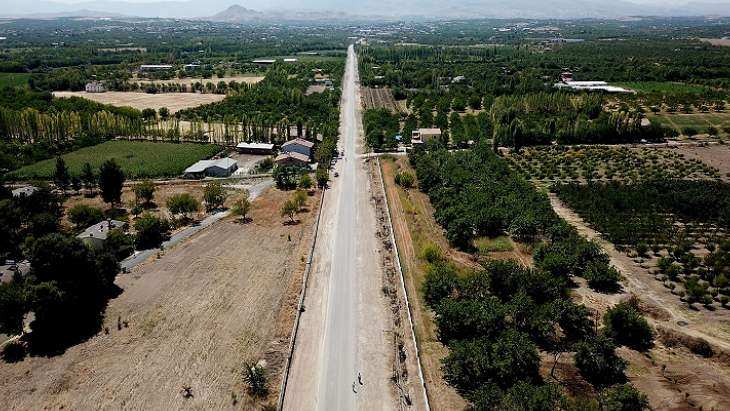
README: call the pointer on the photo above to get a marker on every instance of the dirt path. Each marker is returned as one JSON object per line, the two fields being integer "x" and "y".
{"x": 224, "y": 297}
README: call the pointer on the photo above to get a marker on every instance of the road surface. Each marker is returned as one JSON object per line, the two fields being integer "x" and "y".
{"x": 345, "y": 326}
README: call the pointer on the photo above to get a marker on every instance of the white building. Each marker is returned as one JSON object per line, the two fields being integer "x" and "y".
{"x": 24, "y": 191}
{"x": 255, "y": 148}
{"x": 590, "y": 86}
{"x": 154, "y": 67}
{"x": 222, "y": 167}
{"x": 95, "y": 235}
{"x": 95, "y": 87}
{"x": 422, "y": 135}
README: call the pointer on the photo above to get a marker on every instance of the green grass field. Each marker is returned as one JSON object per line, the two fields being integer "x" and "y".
{"x": 137, "y": 159}
{"x": 663, "y": 87}
{"x": 699, "y": 121}
{"x": 14, "y": 79}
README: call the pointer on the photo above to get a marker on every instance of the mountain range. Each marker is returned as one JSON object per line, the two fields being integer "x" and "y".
{"x": 276, "y": 10}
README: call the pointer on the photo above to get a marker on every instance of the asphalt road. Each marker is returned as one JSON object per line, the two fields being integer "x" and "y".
{"x": 345, "y": 326}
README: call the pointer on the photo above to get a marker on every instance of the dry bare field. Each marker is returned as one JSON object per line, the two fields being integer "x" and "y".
{"x": 224, "y": 297}
{"x": 718, "y": 42}
{"x": 714, "y": 155}
{"x": 173, "y": 101}
{"x": 378, "y": 98}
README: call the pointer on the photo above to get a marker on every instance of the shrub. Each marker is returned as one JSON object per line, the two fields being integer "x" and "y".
{"x": 83, "y": 215}
{"x": 598, "y": 363}
{"x": 405, "y": 179}
{"x": 144, "y": 191}
{"x": 305, "y": 182}
{"x": 242, "y": 206}
{"x": 431, "y": 253}
{"x": 256, "y": 379}
{"x": 289, "y": 209}
{"x": 623, "y": 397}
{"x": 625, "y": 325}
{"x": 323, "y": 177}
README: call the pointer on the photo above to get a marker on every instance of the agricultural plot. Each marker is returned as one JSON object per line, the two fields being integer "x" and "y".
{"x": 679, "y": 228}
{"x": 14, "y": 79}
{"x": 561, "y": 163}
{"x": 378, "y": 98}
{"x": 138, "y": 159}
{"x": 697, "y": 123}
{"x": 248, "y": 79}
{"x": 173, "y": 101}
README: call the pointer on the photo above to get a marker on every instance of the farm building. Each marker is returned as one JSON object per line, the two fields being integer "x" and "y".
{"x": 255, "y": 148}
{"x": 264, "y": 62}
{"x": 222, "y": 167}
{"x": 154, "y": 67}
{"x": 298, "y": 145}
{"x": 95, "y": 235}
{"x": 24, "y": 191}
{"x": 95, "y": 87}
{"x": 291, "y": 158}
{"x": 567, "y": 82}
{"x": 423, "y": 135}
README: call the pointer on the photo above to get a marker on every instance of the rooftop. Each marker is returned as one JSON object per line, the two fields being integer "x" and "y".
{"x": 257, "y": 146}
{"x": 299, "y": 141}
{"x": 203, "y": 165}
{"x": 24, "y": 191}
{"x": 101, "y": 230}
{"x": 297, "y": 156}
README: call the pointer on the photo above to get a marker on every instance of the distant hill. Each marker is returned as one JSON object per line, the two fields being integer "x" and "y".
{"x": 255, "y": 10}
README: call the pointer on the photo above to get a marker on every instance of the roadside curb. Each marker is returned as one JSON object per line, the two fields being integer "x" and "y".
{"x": 403, "y": 288}
{"x": 302, "y": 294}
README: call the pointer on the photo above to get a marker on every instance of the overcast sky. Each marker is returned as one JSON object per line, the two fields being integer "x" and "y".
{"x": 243, "y": 2}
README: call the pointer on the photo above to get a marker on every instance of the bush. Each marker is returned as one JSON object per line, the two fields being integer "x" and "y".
{"x": 256, "y": 379}
{"x": 405, "y": 179}
{"x": 144, "y": 191}
{"x": 151, "y": 231}
{"x": 625, "y": 325}
{"x": 431, "y": 253}
{"x": 83, "y": 215}
{"x": 120, "y": 244}
{"x": 305, "y": 182}
{"x": 521, "y": 397}
{"x": 623, "y": 397}
{"x": 13, "y": 352}
{"x": 598, "y": 363}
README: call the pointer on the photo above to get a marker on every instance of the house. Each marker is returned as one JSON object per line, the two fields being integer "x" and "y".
{"x": 567, "y": 82}
{"x": 264, "y": 62}
{"x": 95, "y": 235}
{"x": 290, "y": 60}
{"x": 291, "y": 158}
{"x": 222, "y": 167}
{"x": 566, "y": 76}
{"x": 24, "y": 191}
{"x": 298, "y": 145}
{"x": 95, "y": 87}
{"x": 255, "y": 148}
{"x": 11, "y": 267}
{"x": 423, "y": 135}
{"x": 458, "y": 79}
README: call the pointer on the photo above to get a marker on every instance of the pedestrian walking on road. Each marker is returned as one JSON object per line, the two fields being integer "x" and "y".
{"x": 359, "y": 378}
{"x": 353, "y": 387}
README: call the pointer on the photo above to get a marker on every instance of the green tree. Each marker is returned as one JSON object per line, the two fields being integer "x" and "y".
{"x": 183, "y": 204}
{"x": 323, "y": 177}
{"x": 289, "y": 209}
{"x": 151, "y": 231}
{"x": 61, "y": 176}
{"x": 625, "y": 325}
{"x": 214, "y": 195}
{"x": 300, "y": 199}
{"x": 598, "y": 363}
{"x": 256, "y": 379}
{"x": 83, "y": 215}
{"x": 305, "y": 182}
{"x": 88, "y": 177}
{"x": 440, "y": 282}
{"x": 13, "y": 305}
{"x": 242, "y": 207}
{"x": 164, "y": 113}
{"x": 111, "y": 182}
{"x": 149, "y": 114}
{"x": 144, "y": 191}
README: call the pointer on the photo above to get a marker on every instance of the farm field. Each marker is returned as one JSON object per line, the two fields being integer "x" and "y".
{"x": 714, "y": 155}
{"x": 378, "y": 98}
{"x": 14, "y": 79}
{"x": 138, "y": 159}
{"x": 565, "y": 163}
{"x": 698, "y": 121}
{"x": 173, "y": 101}
{"x": 195, "y": 317}
{"x": 662, "y": 87}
